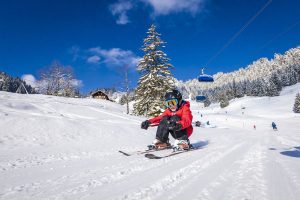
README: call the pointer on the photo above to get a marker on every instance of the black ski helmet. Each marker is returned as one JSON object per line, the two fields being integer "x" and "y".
{"x": 173, "y": 94}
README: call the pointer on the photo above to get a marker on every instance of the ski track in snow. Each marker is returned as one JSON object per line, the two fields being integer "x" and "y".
{"x": 172, "y": 180}
{"x": 249, "y": 181}
{"x": 97, "y": 179}
{"x": 218, "y": 177}
{"x": 83, "y": 182}
{"x": 292, "y": 180}
{"x": 116, "y": 115}
{"x": 35, "y": 160}
{"x": 92, "y": 179}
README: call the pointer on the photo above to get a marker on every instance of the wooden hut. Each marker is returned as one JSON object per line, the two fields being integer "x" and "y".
{"x": 99, "y": 95}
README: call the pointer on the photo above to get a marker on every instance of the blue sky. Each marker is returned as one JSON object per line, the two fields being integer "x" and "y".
{"x": 98, "y": 37}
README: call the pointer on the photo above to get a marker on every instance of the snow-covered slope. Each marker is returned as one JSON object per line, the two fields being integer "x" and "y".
{"x": 259, "y": 111}
{"x": 62, "y": 148}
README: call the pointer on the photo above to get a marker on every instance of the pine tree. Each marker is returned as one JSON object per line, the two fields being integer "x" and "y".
{"x": 207, "y": 102}
{"x": 258, "y": 88}
{"x": 240, "y": 90}
{"x": 271, "y": 89}
{"x": 11, "y": 84}
{"x": 156, "y": 77}
{"x": 297, "y": 104}
{"x": 275, "y": 79}
{"x": 224, "y": 102}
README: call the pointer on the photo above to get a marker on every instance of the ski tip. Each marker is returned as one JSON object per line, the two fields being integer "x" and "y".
{"x": 124, "y": 153}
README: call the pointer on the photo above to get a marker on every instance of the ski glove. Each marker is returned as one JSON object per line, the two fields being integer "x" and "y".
{"x": 145, "y": 124}
{"x": 173, "y": 126}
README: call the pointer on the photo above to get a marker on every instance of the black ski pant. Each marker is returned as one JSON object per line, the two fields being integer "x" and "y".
{"x": 163, "y": 131}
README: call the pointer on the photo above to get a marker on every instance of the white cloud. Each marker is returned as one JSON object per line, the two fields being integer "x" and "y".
{"x": 115, "y": 57}
{"x": 120, "y": 10}
{"x": 29, "y": 79}
{"x": 77, "y": 83}
{"x": 123, "y": 19}
{"x": 94, "y": 59}
{"x": 165, "y": 7}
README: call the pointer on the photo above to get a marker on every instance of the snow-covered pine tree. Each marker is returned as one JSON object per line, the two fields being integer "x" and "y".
{"x": 207, "y": 102}
{"x": 240, "y": 89}
{"x": 11, "y": 84}
{"x": 275, "y": 79}
{"x": 258, "y": 88}
{"x": 296, "y": 108}
{"x": 6, "y": 83}
{"x": 224, "y": 102}
{"x": 156, "y": 77}
{"x": 271, "y": 89}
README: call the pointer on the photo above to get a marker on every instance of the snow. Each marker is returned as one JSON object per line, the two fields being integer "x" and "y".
{"x": 64, "y": 148}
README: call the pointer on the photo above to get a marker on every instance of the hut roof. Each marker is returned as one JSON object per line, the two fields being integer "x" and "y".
{"x": 99, "y": 93}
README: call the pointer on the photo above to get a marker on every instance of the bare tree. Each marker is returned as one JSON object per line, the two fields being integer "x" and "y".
{"x": 58, "y": 80}
{"x": 127, "y": 88}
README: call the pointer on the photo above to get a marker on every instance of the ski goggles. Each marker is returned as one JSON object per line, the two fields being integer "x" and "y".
{"x": 171, "y": 102}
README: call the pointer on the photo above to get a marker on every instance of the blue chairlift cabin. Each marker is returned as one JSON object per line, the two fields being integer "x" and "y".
{"x": 205, "y": 78}
{"x": 200, "y": 98}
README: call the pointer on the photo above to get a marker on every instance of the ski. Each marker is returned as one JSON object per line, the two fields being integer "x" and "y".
{"x": 173, "y": 153}
{"x": 140, "y": 151}
{"x": 152, "y": 156}
{"x": 135, "y": 152}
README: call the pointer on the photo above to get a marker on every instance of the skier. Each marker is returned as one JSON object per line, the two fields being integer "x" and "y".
{"x": 176, "y": 120}
{"x": 274, "y": 126}
{"x": 198, "y": 123}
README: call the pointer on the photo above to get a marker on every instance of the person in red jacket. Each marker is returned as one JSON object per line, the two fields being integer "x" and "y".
{"x": 176, "y": 120}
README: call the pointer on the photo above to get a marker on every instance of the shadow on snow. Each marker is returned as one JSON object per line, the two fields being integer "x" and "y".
{"x": 293, "y": 153}
{"x": 200, "y": 144}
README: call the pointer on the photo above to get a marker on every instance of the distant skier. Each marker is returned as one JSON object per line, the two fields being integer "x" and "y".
{"x": 176, "y": 120}
{"x": 274, "y": 126}
{"x": 198, "y": 123}
{"x": 254, "y": 126}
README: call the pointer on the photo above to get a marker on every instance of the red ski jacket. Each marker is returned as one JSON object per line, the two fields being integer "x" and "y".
{"x": 183, "y": 112}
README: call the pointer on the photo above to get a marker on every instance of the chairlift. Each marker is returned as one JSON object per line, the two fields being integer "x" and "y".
{"x": 200, "y": 98}
{"x": 205, "y": 77}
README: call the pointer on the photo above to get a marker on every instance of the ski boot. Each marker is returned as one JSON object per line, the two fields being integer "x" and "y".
{"x": 182, "y": 145}
{"x": 157, "y": 144}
